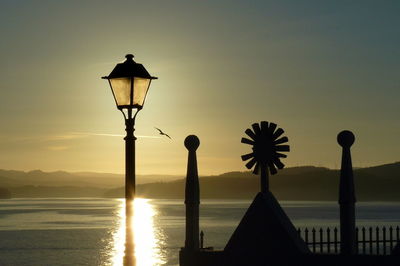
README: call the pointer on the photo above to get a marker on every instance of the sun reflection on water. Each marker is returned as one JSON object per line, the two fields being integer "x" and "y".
{"x": 137, "y": 240}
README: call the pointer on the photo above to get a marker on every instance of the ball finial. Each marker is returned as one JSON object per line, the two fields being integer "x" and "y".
{"x": 192, "y": 142}
{"x": 345, "y": 138}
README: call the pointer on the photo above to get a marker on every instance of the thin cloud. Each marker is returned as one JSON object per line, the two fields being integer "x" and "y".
{"x": 149, "y": 137}
{"x": 87, "y": 134}
{"x": 63, "y": 137}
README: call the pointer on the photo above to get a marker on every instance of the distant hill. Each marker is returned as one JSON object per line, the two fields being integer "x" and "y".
{"x": 12, "y": 178}
{"x": 379, "y": 183}
{"x": 56, "y": 192}
{"x": 37, "y": 183}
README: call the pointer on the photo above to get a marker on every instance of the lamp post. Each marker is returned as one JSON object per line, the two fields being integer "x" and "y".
{"x": 129, "y": 82}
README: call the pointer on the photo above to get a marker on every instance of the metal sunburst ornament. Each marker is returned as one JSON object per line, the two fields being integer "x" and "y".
{"x": 266, "y": 140}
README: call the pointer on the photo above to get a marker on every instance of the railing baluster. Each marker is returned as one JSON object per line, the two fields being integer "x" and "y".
{"x": 377, "y": 240}
{"x": 335, "y": 233}
{"x": 328, "y": 239}
{"x": 384, "y": 240}
{"x": 363, "y": 240}
{"x": 380, "y": 240}
{"x": 321, "y": 237}
{"x": 391, "y": 238}
{"x": 371, "y": 251}
{"x": 306, "y": 236}
{"x": 201, "y": 239}
{"x": 313, "y": 239}
{"x": 356, "y": 241}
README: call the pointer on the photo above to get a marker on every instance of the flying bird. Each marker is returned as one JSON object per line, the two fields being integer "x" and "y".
{"x": 162, "y": 133}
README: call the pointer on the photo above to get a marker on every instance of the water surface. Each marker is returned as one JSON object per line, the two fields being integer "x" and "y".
{"x": 90, "y": 231}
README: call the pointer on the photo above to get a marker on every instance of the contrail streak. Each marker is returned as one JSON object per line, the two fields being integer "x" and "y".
{"x": 149, "y": 137}
{"x": 112, "y": 135}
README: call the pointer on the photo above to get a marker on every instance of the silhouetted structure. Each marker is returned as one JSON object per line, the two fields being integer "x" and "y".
{"x": 264, "y": 233}
{"x": 373, "y": 240}
{"x": 266, "y": 150}
{"x": 347, "y": 196}
{"x": 129, "y": 82}
{"x": 201, "y": 239}
{"x": 266, "y": 237}
{"x": 192, "y": 195}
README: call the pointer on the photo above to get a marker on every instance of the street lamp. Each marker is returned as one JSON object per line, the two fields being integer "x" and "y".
{"x": 129, "y": 82}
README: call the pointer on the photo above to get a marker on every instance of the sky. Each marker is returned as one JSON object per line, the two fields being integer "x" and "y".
{"x": 313, "y": 67}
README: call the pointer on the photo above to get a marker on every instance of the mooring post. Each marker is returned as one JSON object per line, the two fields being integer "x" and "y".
{"x": 201, "y": 239}
{"x": 192, "y": 195}
{"x": 347, "y": 198}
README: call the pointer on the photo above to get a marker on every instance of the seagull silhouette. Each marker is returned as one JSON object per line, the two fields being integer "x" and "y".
{"x": 162, "y": 133}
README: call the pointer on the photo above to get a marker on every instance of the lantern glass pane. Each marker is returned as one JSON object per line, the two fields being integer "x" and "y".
{"x": 140, "y": 88}
{"x": 121, "y": 88}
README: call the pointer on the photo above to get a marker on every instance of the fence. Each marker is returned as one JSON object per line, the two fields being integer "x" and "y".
{"x": 371, "y": 240}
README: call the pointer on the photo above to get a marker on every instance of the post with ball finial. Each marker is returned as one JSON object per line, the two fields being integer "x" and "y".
{"x": 192, "y": 195}
{"x": 347, "y": 198}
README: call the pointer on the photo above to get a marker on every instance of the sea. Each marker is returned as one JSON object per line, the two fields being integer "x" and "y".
{"x": 92, "y": 231}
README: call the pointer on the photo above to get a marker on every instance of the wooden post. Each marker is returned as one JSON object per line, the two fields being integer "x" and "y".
{"x": 347, "y": 198}
{"x": 192, "y": 195}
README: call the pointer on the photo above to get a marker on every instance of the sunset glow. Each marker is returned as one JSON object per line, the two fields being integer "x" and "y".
{"x": 138, "y": 241}
{"x": 314, "y": 67}
{"x": 152, "y": 133}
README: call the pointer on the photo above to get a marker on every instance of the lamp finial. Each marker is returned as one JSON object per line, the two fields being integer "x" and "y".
{"x": 129, "y": 57}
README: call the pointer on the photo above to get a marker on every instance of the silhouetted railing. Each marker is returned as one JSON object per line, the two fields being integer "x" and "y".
{"x": 370, "y": 240}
